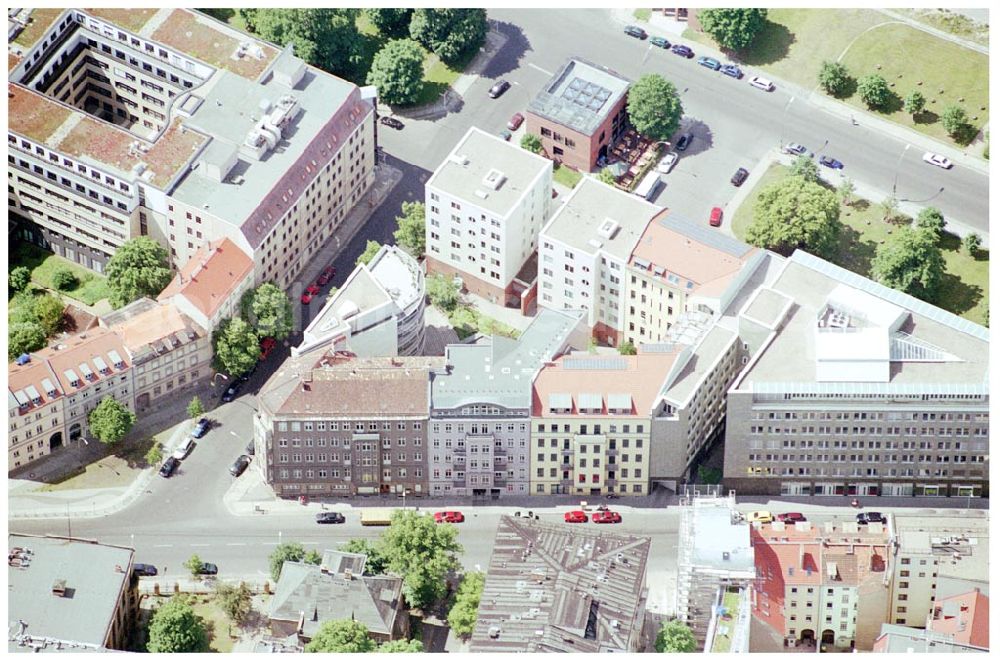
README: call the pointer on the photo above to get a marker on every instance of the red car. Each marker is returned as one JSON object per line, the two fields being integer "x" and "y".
{"x": 266, "y": 345}
{"x": 516, "y": 120}
{"x": 791, "y": 518}
{"x": 606, "y": 517}
{"x": 325, "y": 277}
{"x": 575, "y": 517}
{"x": 310, "y": 292}
{"x": 450, "y": 516}
{"x": 715, "y": 220}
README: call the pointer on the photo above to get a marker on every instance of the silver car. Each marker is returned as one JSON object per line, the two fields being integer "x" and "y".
{"x": 667, "y": 163}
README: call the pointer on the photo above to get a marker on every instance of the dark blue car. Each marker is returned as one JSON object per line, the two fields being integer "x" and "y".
{"x": 200, "y": 428}
{"x": 681, "y": 49}
{"x": 830, "y": 162}
{"x": 732, "y": 70}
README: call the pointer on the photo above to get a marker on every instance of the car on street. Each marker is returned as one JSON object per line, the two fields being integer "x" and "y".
{"x": 710, "y": 62}
{"x": 239, "y": 466}
{"x": 144, "y": 570}
{"x": 498, "y": 88}
{"x": 326, "y": 276}
{"x": 525, "y": 514}
{"x": 762, "y": 516}
{"x": 791, "y": 518}
{"x": 330, "y": 518}
{"x": 796, "y": 149}
{"x": 606, "y": 517}
{"x": 575, "y": 517}
{"x": 739, "y": 177}
{"x": 937, "y": 160}
{"x": 169, "y": 467}
{"x": 515, "y": 121}
{"x": 871, "y": 517}
{"x": 449, "y": 516}
{"x": 391, "y": 122}
{"x": 682, "y": 50}
{"x": 505, "y": 134}
{"x": 715, "y": 218}
{"x": 207, "y": 569}
{"x": 684, "y": 141}
{"x": 266, "y": 346}
{"x": 201, "y": 428}
{"x": 762, "y": 84}
{"x": 830, "y": 162}
{"x": 310, "y": 292}
{"x": 659, "y": 42}
{"x": 667, "y": 163}
{"x": 232, "y": 391}
{"x": 732, "y": 70}
{"x": 635, "y": 31}
{"x": 184, "y": 449}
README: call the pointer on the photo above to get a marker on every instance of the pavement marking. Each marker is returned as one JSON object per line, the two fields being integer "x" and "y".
{"x": 535, "y": 66}
{"x": 162, "y": 545}
{"x": 236, "y": 544}
{"x": 199, "y": 544}
{"x": 310, "y": 543}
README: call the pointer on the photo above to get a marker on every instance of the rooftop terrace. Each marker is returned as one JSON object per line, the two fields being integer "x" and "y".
{"x": 214, "y": 43}
{"x": 580, "y": 95}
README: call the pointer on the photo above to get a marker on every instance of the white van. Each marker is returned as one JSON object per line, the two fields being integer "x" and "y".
{"x": 649, "y": 185}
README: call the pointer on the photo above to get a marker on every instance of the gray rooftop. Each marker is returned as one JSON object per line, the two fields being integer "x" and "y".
{"x": 944, "y": 537}
{"x": 580, "y": 95}
{"x": 766, "y": 307}
{"x": 721, "y": 541}
{"x": 95, "y": 576}
{"x": 478, "y": 154}
{"x": 702, "y": 357}
{"x": 587, "y": 208}
{"x": 500, "y": 371}
{"x": 902, "y": 639}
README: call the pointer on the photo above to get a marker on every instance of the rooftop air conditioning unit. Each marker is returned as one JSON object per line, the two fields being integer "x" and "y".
{"x": 608, "y": 228}
{"x": 494, "y": 179}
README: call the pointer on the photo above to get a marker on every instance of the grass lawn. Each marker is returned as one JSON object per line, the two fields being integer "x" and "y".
{"x": 965, "y": 289}
{"x": 566, "y": 176}
{"x": 39, "y": 21}
{"x": 90, "y": 288}
{"x": 957, "y": 24}
{"x": 731, "y": 601}
{"x": 468, "y": 321}
{"x": 643, "y": 14}
{"x": 123, "y": 462}
{"x": 216, "y": 623}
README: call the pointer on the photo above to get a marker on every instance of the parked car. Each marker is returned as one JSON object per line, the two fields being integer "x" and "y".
{"x": 310, "y": 292}
{"x": 684, "y": 141}
{"x": 449, "y": 516}
{"x": 606, "y": 517}
{"x": 144, "y": 570}
{"x": 239, "y": 466}
{"x": 762, "y": 516}
{"x": 525, "y": 514}
{"x": 732, "y": 70}
{"x": 791, "y": 518}
{"x": 185, "y": 448}
{"x": 266, "y": 345}
{"x": 762, "y": 84}
{"x": 575, "y": 517}
{"x": 505, "y": 134}
{"x": 201, "y": 428}
{"x": 498, "y": 88}
{"x": 391, "y": 122}
{"x": 937, "y": 160}
{"x": 871, "y": 517}
{"x": 830, "y": 162}
{"x": 659, "y": 42}
{"x": 796, "y": 149}
{"x": 208, "y": 569}
{"x": 169, "y": 467}
{"x": 326, "y": 276}
{"x": 715, "y": 218}
{"x": 515, "y": 121}
{"x": 739, "y": 177}
{"x": 635, "y": 31}
{"x": 710, "y": 62}
{"x": 667, "y": 163}
{"x": 232, "y": 391}
{"x": 330, "y": 518}
{"x": 250, "y": 448}
{"x": 682, "y": 50}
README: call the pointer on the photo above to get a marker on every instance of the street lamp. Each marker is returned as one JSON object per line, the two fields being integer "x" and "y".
{"x": 895, "y": 177}
{"x": 218, "y": 374}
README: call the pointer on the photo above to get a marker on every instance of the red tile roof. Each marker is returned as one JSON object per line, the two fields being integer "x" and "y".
{"x": 83, "y": 349}
{"x": 211, "y": 276}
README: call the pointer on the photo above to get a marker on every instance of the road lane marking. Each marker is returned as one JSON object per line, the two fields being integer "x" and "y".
{"x": 199, "y": 544}
{"x": 162, "y": 545}
{"x": 310, "y": 543}
{"x": 535, "y": 66}
{"x": 236, "y": 544}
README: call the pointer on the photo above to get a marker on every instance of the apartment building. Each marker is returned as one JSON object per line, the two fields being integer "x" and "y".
{"x": 481, "y": 407}
{"x": 170, "y": 124}
{"x": 553, "y": 588}
{"x": 964, "y": 617}
{"x": 583, "y": 252}
{"x": 902, "y": 639}
{"x": 328, "y": 424}
{"x": 856, "y": 389}
{"x": 591, "y": 422}
{"x": 580, "y": 113}
{"x": 168, "y": 351}
{"x": 822, "y": 585}
{"x": 486, "y": 203}
{"x": 36, "y": 422}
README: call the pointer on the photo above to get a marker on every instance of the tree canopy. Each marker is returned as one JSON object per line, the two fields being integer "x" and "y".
{"x": 24, "y": 337}
{"x": 932, "y": 219}
{"x": 955, "y": 121}
{"x": 236, "y": 347}
{"x": 411, "y": 231}
{"x": 398, "y": 72}
{"x": 375, "y": 563}
{"x": 803, "y": 166}
{"x": 394, "y": 23}
{"x": 269, "y": 310}
{"x": 63, "y": 278}
{"x": 532, "y": 143}
{"x": 794, "y": 213}
{"x": 325, "y": 38}
{"x": 422, "y": 553}
{"x": 291, "y": 551}
{"x": 175, "y": 628}
{"x": 110, "y": 420}
{"x": 627, "y": 348}
{"x": 607, "y": 177}
{"x": 48, "y": 311}
{"x": 875, "y": 91}
{"x": 371, "y": 248}
{"x": 914, "y": 103}
{"x": 835, "y": 78}
{"x": 732, "y": 29}
{"x": 443, "y": 291}
{"x": 139, "y": 268}
{"x": 464, "y": 613}
{"x": 18, "y": 279}
{"x": 401, "y": 646}
{"x": 972, "y": 242}
{"x": 910, "y": 261}
{"x": 675, "y": 637}
{"x": 654, "y": 107}
{"x": 235, "y": 600}
{"x": 194, "y": 565}
{"x": 195, "y": 408}
{"x": 343, "y": 636}
{"x": 449, "y": 33}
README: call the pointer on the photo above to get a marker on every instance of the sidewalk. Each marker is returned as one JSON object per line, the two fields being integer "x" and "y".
{"x": 940, "y": 34}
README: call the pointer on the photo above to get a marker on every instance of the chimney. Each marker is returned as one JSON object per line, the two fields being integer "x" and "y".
{"x": 59, "y": 588}
{"x": 301, "y": 623}
{"x": 348, "y": 575}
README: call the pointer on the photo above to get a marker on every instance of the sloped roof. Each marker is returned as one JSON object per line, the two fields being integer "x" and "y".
{"x": 210, "y": 277}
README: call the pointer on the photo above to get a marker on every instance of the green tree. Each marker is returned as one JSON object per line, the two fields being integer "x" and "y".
{"x": 344, "y": 636}
{"x": 24, "y": 337}
{"x": 193, "y": 565}
{"x": 890, "y": 207}
{"x": 532, "y": 143}
{"x": 931, "y": 218}
{"x": 443, "y": 291}
{"x": 846, "y": 190}
{"x": 709, "y": 476}
{"x": 401, "y": 646}
{"x": 803, "y": 166}
{"x": 371, "y": 248}
{"x": 732, "y": 29}
{"x": 18, "y": 279}
{"x": 237, "y": 347}
{"x": 464, "y": 613}
{"x": 63, "y": 278}
{"x": 422, "y": 553}
{"x": 654, "y": 107}
{"x": 249, "y": 17}
{"x": 270, "y": 312}
{"x": 48, "y": 310}
{"x": 235, "y": 600}
{"x": 394, "y": 23}
{"x": 834, "y": 78}
{"x": 110, "y": 420}
{"x": 875, "y": 91}
{"x": 955, "y": 121}
{"x": 910, "y": 261}
{"x": 972, "y": 243}
{"x": 627, "y": 348}
{"x": 411, "y": 231}
{"x": 398, "y": 72}
{"x": 154, "y": 455}
{"x": 195, "y": 409}
{"x": 375, "y": 562}
{"x": 449, "y": 33}
{"x": 606, "y": 176}
{"x": 675, "y": 637}
{"x": 325, "y": 38}
{"x": 793, "y": 213}
{"x": 914, "y": 103}
{"x": 175, "y": 628}
{"x": 291, "y": 551}
{"x": 138, "y": 268}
